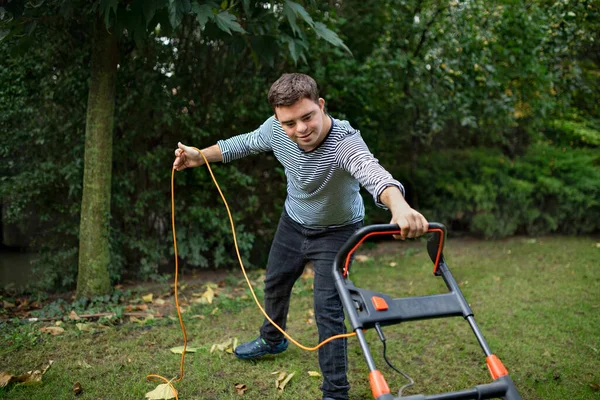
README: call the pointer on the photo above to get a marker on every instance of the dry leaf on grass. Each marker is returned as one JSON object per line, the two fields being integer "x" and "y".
{"x": 27, "y": 378}
{"x": 228, "y": 346}
{"x": 240, "y": 388}
{"x": 83, "y": 364}
{"x": 314, "y": 373}
{"x": 6, "y": 304}
{"x": 159, "y": 302}
{"x": 162, "y": 391}
{"x": 53, "y": 330}
{"x": 6, "y": 379}
{"x": 85, "y": 327}
{"x": 73, "y": 316}
{"x": 77, "y": 389}
{"x": 179, "y": 349}
{"x": 147, "y": 298}
{"x": 361, "y": 258}
{"x": 281, "y": 384}
{"x": 206, "y": 297}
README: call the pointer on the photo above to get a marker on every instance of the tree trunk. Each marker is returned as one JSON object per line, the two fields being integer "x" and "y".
{"x": 94, "y": 249}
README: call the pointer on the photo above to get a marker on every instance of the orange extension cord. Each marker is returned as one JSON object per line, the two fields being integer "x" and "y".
{"x": 154, "y": 377}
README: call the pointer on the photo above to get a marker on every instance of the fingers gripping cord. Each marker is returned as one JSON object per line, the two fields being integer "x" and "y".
{"x": 154, "y": 377}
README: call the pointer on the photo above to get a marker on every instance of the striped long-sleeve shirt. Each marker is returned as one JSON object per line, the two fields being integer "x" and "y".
{"x": 322, "y": 184}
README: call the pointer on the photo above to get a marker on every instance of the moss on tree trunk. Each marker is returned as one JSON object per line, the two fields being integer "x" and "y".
{"x": 94, "y": 250}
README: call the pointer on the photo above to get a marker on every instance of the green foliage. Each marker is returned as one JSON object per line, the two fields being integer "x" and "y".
{"x": 546, "y": 190}
{"x": 573, "y": 133}
{"x": 426, "y": 80}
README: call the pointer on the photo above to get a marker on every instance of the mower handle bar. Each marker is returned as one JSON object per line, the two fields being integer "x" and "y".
{"x": 434, "y": 244}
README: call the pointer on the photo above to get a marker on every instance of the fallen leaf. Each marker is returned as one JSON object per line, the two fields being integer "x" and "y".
{"x": 313, "y": 373}
{"x": 29, "y": 377}
{"x": 159, "y": 302}
{"x": 285, "y": 381}
{"x": 595, "y": 386}
{"x": 598, "y": 245}
{"x": 198, "y": 316}
{"x": 84, "y": 364}
{"x": 215, "y": 311}
{"x": 6, "y": 304}
{"x": 279, "y": 378}
{"x": 224, "y": 346}
{"x": 50, "y": 362}
{"x": 58, "y": 323}
{"x": 6, "y": 379}
{"x": 393, "y": 264}
{"x": 84, "y": 327}
{"x": 241, "y": 388}
{"x": 147, "y": 298}
{"x": 179, "y": 350}
{"x": 206, "y": 297}
{"x": 162, "y": 391}
{"x": 53, "y": 330}
{"x": 361, "y": 258}
{"x": 73, "y": 316}
{"x": 77, "y": 389}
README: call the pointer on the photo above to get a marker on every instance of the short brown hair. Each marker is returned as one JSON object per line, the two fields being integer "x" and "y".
{"x": 290, "y": 88}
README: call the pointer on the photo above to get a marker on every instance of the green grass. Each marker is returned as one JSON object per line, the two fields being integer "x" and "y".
{"x": 536, "y": 301}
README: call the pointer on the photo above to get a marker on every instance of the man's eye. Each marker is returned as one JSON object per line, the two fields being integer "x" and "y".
{"x": 307, "y": 118}
{"x": 290, "y": 125}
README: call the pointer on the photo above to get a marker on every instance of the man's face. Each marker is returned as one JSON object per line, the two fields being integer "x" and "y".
{"x": 304, "y": 122}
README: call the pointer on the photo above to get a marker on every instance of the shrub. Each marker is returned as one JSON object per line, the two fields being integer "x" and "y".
{"x": 549, "y": 189}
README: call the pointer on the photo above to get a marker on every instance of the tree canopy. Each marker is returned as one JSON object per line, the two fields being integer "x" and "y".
{"x": 481, "y": 109}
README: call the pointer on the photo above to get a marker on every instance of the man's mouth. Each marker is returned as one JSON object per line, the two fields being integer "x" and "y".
{"x": 303, "y": 136}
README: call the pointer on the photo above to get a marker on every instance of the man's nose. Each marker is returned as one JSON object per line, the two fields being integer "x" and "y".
{"x": 301, "y": 127}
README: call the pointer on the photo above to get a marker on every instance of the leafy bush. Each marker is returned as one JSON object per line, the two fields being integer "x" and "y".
{"x": 574, "y": 133}
{"x": 549, "y": 189}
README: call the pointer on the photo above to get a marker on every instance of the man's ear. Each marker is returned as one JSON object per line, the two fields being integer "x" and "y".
{"x": 321, "y": 103}
{"x": 275, "y": 115}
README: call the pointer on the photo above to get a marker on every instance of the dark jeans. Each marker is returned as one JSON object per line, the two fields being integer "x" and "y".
{"x": 293, "y": 246}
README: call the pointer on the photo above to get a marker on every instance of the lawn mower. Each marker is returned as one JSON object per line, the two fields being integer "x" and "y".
{"x": 367, "y": 309}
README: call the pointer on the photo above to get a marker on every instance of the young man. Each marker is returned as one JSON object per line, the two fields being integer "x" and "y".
{"x": 325, "y": 160}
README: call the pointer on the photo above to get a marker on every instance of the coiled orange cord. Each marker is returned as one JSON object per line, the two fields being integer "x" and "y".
{"x": 153, "y": 377}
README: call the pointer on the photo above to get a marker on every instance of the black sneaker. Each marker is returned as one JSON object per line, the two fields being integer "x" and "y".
{"x": 258, "y": 348}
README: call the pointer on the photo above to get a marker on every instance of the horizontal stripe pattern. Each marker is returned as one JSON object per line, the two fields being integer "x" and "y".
{"x": 322, "y": 184}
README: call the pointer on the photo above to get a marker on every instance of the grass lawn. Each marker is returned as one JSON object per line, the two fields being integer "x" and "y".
{"x": 537, "y": 302}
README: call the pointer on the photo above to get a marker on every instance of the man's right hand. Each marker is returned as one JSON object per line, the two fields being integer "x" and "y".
{"x": 186, "y": 157}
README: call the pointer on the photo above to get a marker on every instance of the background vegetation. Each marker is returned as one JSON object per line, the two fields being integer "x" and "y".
{"x": 488, "y": 112}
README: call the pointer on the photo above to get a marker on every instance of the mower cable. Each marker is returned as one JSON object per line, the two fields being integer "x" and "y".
{"x": 383, "y": 340}
{"x": 154, "y": 377}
